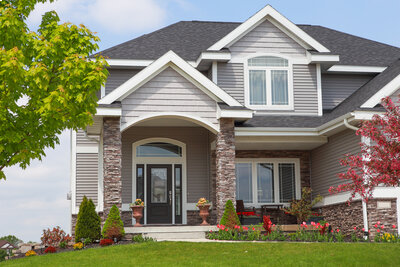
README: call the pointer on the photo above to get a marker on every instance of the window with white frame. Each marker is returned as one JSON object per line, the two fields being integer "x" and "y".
{"x": 267, "y": 181}
{"x": 269, "y": 83}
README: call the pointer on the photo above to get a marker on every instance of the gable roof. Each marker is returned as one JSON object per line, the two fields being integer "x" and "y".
{"x": 350, "y": 104}
{"x": 270, "y": 13}
{"x": 189, "y": 38}
{"x": 169, "y": 59}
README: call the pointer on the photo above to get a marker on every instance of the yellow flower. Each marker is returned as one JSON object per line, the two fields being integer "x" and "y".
{"x": 78, "y": 246}
{"x": 30, "y": 253}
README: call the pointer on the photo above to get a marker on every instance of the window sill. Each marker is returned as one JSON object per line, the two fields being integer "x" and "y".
{"x": 269, "y": 108}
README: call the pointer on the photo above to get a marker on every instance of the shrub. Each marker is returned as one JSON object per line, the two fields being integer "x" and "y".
{"x": 54, "y": 237}
{"x": 87, "y": 241}
{"x": 113, "y": 232}
{"x": 30, "y": 253}
{"x": 141, "y": 239}
{"x": 63, "y": 244}
{"x": 78, "y": 246}
{"x": 301, "y": 208}
{"x": 229, "y": 218}
{"x": 3, "y": 255}
{"x": 267, "y": 224}
{"x": 50, "y": 249}
{"x": 106, "y": 242}
{"x": 88, "y": 224}
{"x": 113, "y": 220}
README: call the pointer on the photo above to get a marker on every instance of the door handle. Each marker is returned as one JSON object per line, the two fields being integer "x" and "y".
{"x": 170, "y": 197}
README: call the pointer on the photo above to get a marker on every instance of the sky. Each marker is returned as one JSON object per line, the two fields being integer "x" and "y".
{"x": 36, "y": 198}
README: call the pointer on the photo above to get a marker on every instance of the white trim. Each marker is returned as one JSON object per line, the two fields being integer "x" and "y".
{"x": 353, "y": 68}
{"x": 387, "y": 90}
{"x": 161, "y": 160}
{"x": 73, "y": 172}
{"x": 198, "y": 120}
{"x": 275, "y": 162}
{"x": 169, "y": 59}
{"x": 366, "y": 115}
{"x": 319, "y": 89}
{"x": 237, "y": 114}
{"x": 249, "y": 24}
{"x": 87, "y": 149}
{"x": 100, "y": 187}
{"x": 268, "y": 106}
{"x": 214, "y": 56}
{"x": 214, "y": 72}
{"x": 129, "y": 62}
{"x": 109, "y": 112}
{"x": 313, "y": 58}
{"x": 102, "y": 91}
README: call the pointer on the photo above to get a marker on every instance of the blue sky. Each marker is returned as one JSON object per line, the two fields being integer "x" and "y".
{"x": 35, "y": 198}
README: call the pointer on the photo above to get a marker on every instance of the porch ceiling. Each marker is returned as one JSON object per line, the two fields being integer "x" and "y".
{"x": 279, "y": 142}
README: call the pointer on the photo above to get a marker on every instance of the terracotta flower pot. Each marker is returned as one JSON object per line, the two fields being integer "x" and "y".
{"x": 137, "y": 213}
{"x": 204, "y": 213}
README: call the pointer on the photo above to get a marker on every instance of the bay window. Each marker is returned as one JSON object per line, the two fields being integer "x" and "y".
{"x": 267, "y": 181}
{"x": 269, "y": 83}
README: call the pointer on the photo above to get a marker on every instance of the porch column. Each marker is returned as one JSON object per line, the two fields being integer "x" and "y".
{"x": 225, "y": 165}
{"x": 112, "y": 164}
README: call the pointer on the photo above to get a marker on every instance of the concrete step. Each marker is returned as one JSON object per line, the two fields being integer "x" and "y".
{"x": 162, "y": 233}
{"x": 174, "y": 236}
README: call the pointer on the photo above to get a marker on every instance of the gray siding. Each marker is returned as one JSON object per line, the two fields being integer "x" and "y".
{"x": 83, "y": 140}
{"x": 169, "y": 92}
{"x": 197, "y": 156}
{"x": 266, "y": 38}
{"x": 117, "y": 77}
{"x": 87, "y": 172}
{"x": 325, "y": 164}
{"x": 305, "y": 89}
{"x": 337, "y": 87}
{"x": 230, "y": 78}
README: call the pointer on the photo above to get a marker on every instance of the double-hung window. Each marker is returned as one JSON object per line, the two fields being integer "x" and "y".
{"x": 269, "y": 83}
{"x": 267, "y": 181}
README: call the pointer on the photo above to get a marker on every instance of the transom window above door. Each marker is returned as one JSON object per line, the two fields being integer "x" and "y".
{"x": 269, "y": 83}
{"x": 158, "y": 149}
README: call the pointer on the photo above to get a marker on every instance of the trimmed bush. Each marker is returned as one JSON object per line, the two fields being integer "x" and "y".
{"x": 50, "y": 249}
{"x": 88, "y": 224}
{"x": 113, "y": 224}
{"x": 230, "y": 218}
{"x": 3, "y": 255}
{"x": 106, "y": 242}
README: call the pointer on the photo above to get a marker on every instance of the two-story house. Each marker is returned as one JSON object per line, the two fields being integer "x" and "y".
{"x": 252, "y": 111}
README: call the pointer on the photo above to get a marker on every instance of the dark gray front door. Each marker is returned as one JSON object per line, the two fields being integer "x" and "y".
{"x": 159, "y": 194}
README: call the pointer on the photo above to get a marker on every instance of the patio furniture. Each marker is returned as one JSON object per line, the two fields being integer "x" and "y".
{"x": 240, "y": 209}
{"x": 272, "y": 208}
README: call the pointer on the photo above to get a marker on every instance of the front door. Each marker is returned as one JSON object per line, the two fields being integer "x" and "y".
{"x": 159, "y": 194}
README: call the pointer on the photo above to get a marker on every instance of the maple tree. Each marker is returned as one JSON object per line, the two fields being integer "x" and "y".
{"x": 378, "y": 162}
{"x": 47, "y": 82}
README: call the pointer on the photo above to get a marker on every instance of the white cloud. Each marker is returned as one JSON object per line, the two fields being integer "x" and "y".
{"x": 117, "y": 16}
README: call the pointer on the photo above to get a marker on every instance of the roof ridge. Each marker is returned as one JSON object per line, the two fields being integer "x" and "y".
{"x": 212, "y": 21}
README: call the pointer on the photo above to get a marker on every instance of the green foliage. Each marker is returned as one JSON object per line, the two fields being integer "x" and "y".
{"x": 63, "y": 244}
{"x": 47, "y": 82}
{"x": 229, "y": 218}
{"x": 113, "y": 221}
{"x": 88, "y": 224}
{"x": 11, "y": 239}
{"x": 140, "y": 239}
{"x": 3, "y": 255}
{"x": 302, "y": 208}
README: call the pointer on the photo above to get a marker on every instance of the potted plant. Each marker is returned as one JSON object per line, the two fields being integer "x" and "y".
{"x": 204, "y": 206}
{"x": 137, "y": 211}
{"x": 302, "y": 208}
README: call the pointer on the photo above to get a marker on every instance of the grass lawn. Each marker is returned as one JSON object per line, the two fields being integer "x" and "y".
{"x": 224, "y": 254}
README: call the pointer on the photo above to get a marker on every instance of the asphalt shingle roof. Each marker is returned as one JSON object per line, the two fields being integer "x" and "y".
{"x": 189, "y": 38}
{"x": 352, "y": 103}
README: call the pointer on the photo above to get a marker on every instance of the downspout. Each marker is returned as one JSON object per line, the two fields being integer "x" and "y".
{"x": 364, "y": 204}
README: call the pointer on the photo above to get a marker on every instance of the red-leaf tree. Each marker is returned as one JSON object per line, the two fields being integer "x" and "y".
{"x": 378, "y": 163}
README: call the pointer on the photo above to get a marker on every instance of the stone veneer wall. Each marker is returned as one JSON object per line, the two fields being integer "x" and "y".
{"x": 345, "y": 217}
{"x": 112, "y": 163}
{"x": 225, "y": 184}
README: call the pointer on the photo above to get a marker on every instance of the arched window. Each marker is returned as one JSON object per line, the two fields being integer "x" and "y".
{"x": 158, "y": 149}
{"x": 269, "y": 82}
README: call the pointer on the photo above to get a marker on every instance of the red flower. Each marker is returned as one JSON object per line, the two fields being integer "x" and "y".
{"x": 363, "y": 229}
{"x": 378, "y": 230}
{"x": 50, "y": 249}
{"x": 393, "y": 226}
{"x": 382, "y": 226}
{"x": 106, "y": 242}
{"x": 253, "y": 229}
{"x": 337, "y": 230}
{"x": 355, "y": 228}
{"x": 245, "y": 228}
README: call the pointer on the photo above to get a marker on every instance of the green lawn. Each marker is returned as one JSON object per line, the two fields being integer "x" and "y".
{"x": 224, "y": 254}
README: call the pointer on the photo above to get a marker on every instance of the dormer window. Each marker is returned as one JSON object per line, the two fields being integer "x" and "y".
{"x": 269, "y": 83}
